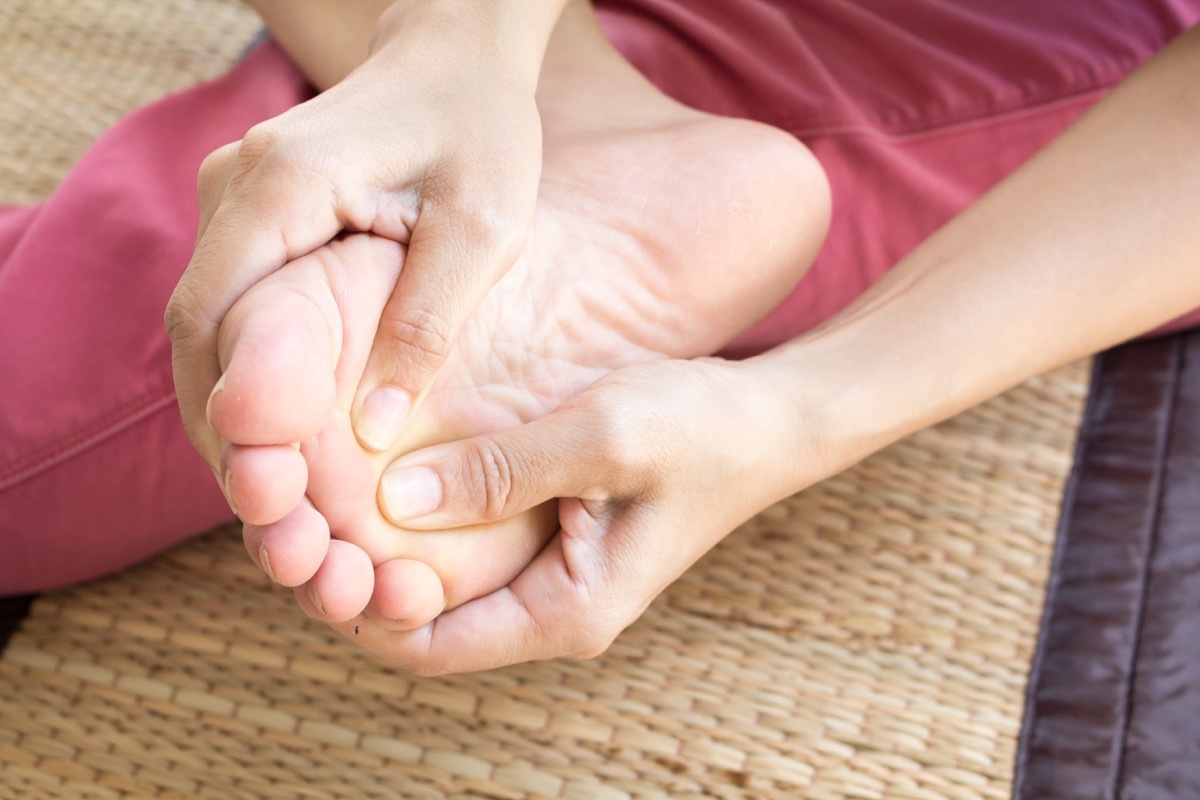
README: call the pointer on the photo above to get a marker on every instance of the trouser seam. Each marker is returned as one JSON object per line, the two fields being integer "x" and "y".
{"x": 85, "y": 438}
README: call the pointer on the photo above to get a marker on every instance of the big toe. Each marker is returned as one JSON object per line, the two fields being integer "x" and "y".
{"x": 296, "y": 343}
{"x": 278, "y": 347}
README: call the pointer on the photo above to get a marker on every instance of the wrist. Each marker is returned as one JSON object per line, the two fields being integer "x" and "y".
{"x": 326, "y": 39}
{"x": 501, "y": 33}
{"x": 839, "y": 404}
{"x": 789, "y": 427}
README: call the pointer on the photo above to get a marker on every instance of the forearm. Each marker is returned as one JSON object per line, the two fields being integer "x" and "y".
{"x": 328, "y": 39}
{"x": 1094, "y": 241}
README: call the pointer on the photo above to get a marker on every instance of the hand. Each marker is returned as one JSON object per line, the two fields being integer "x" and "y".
{"x": 655, "y": 464}
{"x": 614, "y": 273}
{"x": 659, "y": 461}
{"x": 434, "y": 141}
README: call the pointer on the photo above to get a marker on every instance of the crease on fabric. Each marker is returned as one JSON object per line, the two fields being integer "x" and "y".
{"x": 84, "y": 438}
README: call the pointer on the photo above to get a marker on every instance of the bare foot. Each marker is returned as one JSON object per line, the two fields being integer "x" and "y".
{"x": 660, "y": 232}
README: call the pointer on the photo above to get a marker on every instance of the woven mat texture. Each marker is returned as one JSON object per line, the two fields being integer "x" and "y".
{"x": 867, "y": 639}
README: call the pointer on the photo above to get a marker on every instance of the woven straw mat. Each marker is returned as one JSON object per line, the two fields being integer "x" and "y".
{"x": 867, "y": 639}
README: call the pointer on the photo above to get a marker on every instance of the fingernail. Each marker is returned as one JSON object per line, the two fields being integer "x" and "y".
{"x": 211, "y": 396}
{"x": 411, "y": 492}
{"x": 264, "y": 561}
{"x": 315, "y": 597}
{"x": 382, "y": 417}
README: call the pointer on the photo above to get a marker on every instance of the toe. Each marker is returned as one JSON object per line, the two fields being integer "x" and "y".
{"x": 291, "y": 550}
{"x": 408, "y": 594}
{"x": 278, "y": 347}
{"x": 263, "y": 483}
{"x": 341, "y": 481}
{"x": 341, "y": 588}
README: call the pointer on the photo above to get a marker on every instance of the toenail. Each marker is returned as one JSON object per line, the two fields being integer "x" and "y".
{"x": 212, "y": 396}
{"x": 411, "y": 492}
{"x": 223, "y": 483}
{"x": 227, "y": 483}
{"x": 264, "y": 561}
{"x": 382, "y": 417}
{"x": 315, "y": 597}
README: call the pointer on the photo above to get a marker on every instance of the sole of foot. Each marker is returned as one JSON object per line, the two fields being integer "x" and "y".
{"x": 660, "y": 232}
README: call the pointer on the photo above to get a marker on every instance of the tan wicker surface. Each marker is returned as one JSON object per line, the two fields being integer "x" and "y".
{"x": 868, "y": 639}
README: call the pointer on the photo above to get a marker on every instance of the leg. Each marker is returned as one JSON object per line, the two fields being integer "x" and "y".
{"x": 95, "y": 473}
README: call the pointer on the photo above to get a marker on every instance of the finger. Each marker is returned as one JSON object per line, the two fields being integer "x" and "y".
{"x": 265, "y": 217}
{"x": 536, "y": 617}
{"x": 455, "y": 256}
{"x": 586, "y": 586}
{"x": 573, "y": 452}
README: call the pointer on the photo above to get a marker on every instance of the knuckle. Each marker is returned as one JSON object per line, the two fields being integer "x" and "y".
{"x": 260, "y": 140}
{"x": 596, "y": 648}
{"x": 496, "y": 228}
{"x": 270, "y": 149}
{"x": 490, "y": 475}
{"x": 604, "y": 615}
{"x": 598, "y": 639}
{"x": 619, "y": 441}
{"x": 426, "y": 336}
{"x": 493, "y": 226}
{"x": 215, "y": 167}
{"x": 181, "y": 318}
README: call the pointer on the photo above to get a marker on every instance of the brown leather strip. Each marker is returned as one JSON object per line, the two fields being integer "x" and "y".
{"x": 1162, "y": 742}
{"x": 1113, "y": 703}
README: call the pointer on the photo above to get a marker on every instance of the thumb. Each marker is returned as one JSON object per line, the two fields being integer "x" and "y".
{"x": 455, "y": 256}
{"x": 572, "y": 452}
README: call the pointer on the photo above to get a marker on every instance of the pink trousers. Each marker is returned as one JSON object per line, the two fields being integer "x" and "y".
{"x": 914, "y": 108}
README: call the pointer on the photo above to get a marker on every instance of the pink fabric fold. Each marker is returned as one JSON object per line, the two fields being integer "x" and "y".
{"x": 95, "y": 472}
{"x": 914, "y": 108}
